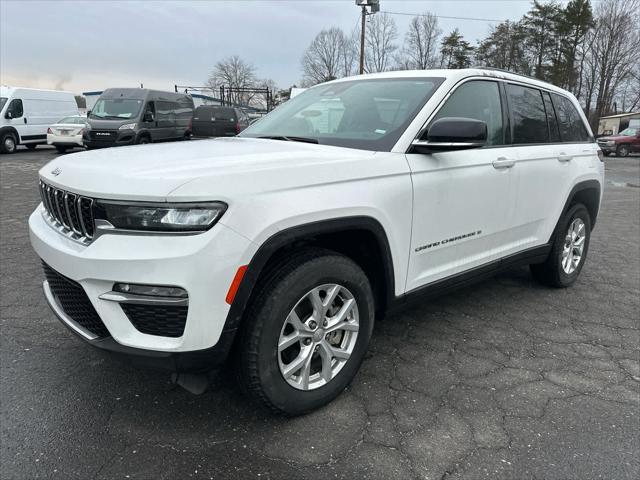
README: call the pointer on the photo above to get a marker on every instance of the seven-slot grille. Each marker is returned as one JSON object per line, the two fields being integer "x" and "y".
{"x": 72, "y": 213}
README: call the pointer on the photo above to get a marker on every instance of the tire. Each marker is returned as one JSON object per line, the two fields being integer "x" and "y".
{"x": 606, "y": 154}
{"x": 622, "y": 151}
{"x": 61, "y": 148}
{"x": 31, "y": 146}
{"x": 8, "y": 143}
{"x": 143, "y": 139}
{"x": 261, "y": 367}
{"x": 557, "y": 270}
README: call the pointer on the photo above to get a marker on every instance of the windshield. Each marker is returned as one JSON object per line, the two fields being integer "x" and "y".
{"x": 3, "y": 100}
{"x": 629, "y": 132}
{"x": 367, "y": 114}
{"x": 116, "y": 108}
{"x": 72, "y": 120}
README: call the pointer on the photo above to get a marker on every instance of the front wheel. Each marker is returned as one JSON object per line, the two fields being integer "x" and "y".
{"x": 61, "y": 148}
{"x": 622, "y": 151}
{"x": 568, "y": 251}
{"x": 143, "y": 139}
{"x": 306, "y": 333}
{"x": 8, "y": 143}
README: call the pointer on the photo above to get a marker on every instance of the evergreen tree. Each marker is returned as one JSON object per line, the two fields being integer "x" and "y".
{"x": 455, "y": 51}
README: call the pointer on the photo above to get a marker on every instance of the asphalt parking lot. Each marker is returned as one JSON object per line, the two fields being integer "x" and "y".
{"x": 505, "y": 379}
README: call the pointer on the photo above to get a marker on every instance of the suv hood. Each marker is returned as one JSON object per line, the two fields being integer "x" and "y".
{"x": 227, "y": 165}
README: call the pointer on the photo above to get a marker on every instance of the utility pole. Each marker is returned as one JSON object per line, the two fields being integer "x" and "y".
{"x": 373, "y": 7}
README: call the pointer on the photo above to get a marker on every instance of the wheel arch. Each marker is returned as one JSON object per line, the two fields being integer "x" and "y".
{"x": 367, "y": 238}
{"x": 587, "y": 192}
{"x": 10, "y": 129}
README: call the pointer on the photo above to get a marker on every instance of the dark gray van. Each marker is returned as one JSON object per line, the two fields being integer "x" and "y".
{"x": 125, "y": 116}
{"x": 214, "y": 121}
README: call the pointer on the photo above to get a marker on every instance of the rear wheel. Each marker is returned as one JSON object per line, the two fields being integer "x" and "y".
{"x": 306, "y": 332}
{"x": 31, "y": 146}
{"x": 569, "y": 249}
{"x": 61, "y": 148}
{"x": 8, "y": 143}
{"x": 622, "y": 150}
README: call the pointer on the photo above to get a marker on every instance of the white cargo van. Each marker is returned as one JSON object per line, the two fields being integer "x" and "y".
{"x": 26, "y": 113}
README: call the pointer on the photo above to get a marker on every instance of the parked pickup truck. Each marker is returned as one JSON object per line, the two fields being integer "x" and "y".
{"x": 284, "y": 244}
{"x": 622, "y": 144}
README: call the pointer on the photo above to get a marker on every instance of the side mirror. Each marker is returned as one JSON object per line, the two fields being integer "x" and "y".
{"x": 148, "y": 117}
{"x": 9, "y": 114}
{"x": 452, "y": 133}
{"x": 88, "y": 113}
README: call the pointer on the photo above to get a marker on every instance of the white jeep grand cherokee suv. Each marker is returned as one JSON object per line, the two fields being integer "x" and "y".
{"x": 281, "y": 245}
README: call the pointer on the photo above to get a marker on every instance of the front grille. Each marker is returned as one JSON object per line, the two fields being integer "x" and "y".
{"x": 71, "y": 213}
{"x": 103, "y": 135}
{"x": 73, "y": 300}
{"x": 161, "y": 320}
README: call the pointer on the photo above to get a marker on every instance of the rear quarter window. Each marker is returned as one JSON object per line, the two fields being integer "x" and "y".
{"x": 572, "y": 128}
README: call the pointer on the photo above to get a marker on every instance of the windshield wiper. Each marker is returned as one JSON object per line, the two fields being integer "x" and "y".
{"x": 287, "y": 138}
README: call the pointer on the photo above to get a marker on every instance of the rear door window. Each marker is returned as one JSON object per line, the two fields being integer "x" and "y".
{"x": 479, "y": 100}
{"x": 227, "y": 114}
{"x": 528, "y": 115}
{"x": 572, "y": 128}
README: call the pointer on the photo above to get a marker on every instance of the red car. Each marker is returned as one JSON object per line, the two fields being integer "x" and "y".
{"x": 622, "y": 144}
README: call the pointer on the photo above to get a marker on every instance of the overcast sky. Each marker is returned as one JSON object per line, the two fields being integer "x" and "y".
{"x": 80, "y": 46}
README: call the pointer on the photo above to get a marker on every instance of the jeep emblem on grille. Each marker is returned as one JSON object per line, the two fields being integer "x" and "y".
{"x": 55, "y": 172}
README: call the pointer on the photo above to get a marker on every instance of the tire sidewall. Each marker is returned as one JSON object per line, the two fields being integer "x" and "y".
{"x": 577, "y": 211}
{"x": 622, "y": 151}
{"x": 274, "y": 311}
{"x": 2, "y": 144}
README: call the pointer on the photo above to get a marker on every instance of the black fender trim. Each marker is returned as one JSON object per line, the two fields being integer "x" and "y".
{"x": 9, "y": 129}
{"x": 302, "y": 232}
{"x": 578, "y": 187}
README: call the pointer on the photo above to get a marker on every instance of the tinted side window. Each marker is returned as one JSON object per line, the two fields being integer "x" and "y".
{"x": 225, "y": 114}
{"x": 528, "y": 115}
{"x": 15, "y": 107}
{"x": 571, "y": 127}
{"x": 554, "y": 132}
{"x": 479, "y": 100}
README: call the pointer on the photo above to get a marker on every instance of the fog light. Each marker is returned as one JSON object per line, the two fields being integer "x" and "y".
{"x": 150, "y": 290}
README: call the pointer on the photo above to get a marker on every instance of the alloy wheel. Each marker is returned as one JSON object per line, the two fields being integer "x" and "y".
{"x": 318, "y": 337}
{"x": 573, "y": 246}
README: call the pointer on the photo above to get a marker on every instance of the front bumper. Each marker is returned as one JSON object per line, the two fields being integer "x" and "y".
{"x": 108, "y": 138}
{"x": 203, "y": 264}
{"x": 607, "y": 148}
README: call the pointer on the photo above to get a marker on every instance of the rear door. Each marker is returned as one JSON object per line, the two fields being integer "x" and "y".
{"x": 224, "y": 123}
{"x": 463, "y": 200}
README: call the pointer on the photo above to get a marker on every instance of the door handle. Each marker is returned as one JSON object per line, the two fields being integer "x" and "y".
{"x": 503, "y": 162}
{"x": 25, "y": 119}
{"x": 563, "y": 157}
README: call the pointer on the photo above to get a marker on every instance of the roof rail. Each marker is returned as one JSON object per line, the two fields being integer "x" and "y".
{"x": 494, "y": 69}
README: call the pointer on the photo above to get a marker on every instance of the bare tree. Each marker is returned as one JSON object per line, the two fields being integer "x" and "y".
{"x": 324, "y": 59}
{"x": 612, "y": 54}
{"x": 381, "y": 33}
{"x": 420, "y": 47}
{"x": 350, "y": 53}
{"x": 235, "y": 73}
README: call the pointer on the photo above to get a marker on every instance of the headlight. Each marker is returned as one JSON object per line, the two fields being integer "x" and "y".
{"x": 128, "y": 126}
{"x": 160, "y": 217}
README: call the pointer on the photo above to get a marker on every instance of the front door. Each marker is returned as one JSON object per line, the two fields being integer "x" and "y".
{"x": 463, "y": 200}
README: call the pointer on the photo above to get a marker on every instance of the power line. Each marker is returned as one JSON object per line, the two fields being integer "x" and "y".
{"x": 443, "y": 16}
